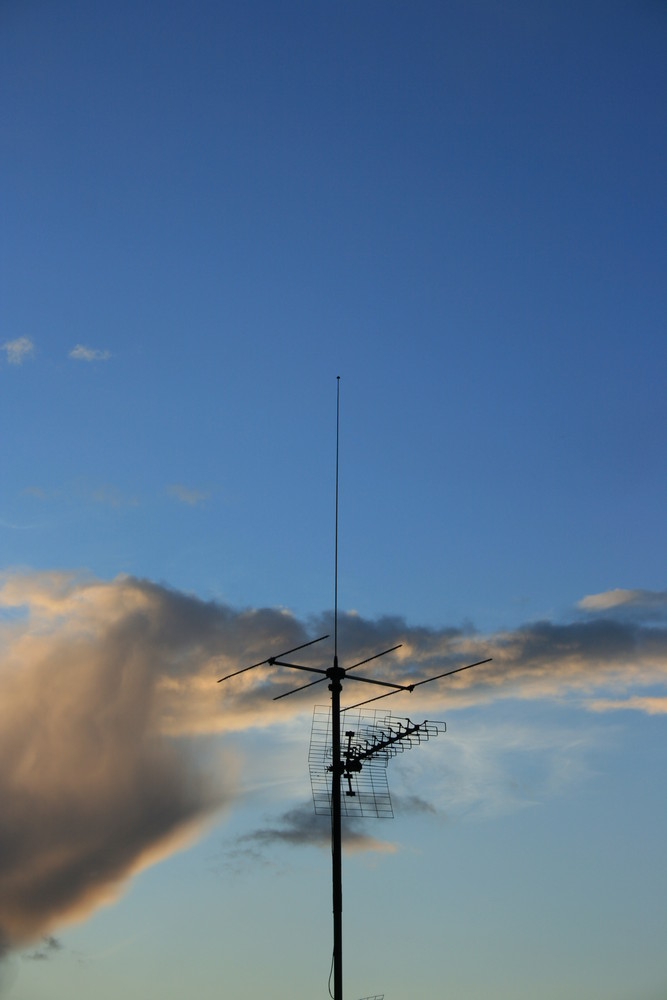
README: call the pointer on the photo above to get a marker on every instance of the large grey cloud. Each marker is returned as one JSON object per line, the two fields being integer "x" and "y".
{"x": 108, "y": 704}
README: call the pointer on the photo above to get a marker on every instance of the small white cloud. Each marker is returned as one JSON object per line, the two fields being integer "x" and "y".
{"x": 18, "y": 350}
{"x": 636, "y": 603}
{"x": 608, "y": 599}
{"x": 185, "y": 495}
{"x": 83, "y": 353}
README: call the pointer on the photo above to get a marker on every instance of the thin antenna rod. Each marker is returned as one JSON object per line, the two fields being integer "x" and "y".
{"x": 347, "y": 670}
{"x": 411, "y": 687}
{"x": 336, "y": 539}
{"x": 272, "y": 659}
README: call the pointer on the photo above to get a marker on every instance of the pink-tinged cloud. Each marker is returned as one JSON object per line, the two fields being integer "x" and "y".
{"x": 637, "y": 703}
{"x": 108, "y": 700}
{"x": 647, "y": 604}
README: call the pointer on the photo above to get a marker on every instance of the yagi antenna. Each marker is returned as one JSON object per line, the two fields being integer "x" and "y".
{"x": 357, "y": 756}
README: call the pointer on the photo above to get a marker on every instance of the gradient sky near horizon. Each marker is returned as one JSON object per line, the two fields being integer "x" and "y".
{"x": 210, "y": 211}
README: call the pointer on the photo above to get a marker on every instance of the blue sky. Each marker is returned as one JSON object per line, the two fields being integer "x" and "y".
{"x": 209, "y": 213}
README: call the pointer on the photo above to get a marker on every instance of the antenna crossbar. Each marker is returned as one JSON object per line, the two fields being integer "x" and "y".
{"x": 272, "y": 659}
{"x": 411, "y": 687}
{"x": 298, "y": 666}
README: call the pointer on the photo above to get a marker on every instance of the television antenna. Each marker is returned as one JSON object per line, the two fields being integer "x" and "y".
{"x": 364, "y": 757}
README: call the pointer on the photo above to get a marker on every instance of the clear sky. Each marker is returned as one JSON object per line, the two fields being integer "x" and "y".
{"x": 209, "y": 211}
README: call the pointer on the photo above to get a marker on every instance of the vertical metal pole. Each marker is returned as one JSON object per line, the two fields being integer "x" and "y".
{"x": 336, "y": 523}
{"x": 336, "y": 676}
{"x": 336, "y": 848}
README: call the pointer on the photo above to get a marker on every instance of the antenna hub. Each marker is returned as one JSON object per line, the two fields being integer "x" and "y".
{"x": 335, "y": 673}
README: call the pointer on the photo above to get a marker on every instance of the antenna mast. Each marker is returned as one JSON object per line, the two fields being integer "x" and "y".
{"x": 336, "y": 687}
{"x": 336, "y": 533}
{"x": 377, "y": 737}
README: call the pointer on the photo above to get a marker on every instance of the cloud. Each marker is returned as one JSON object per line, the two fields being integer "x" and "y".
{"x": 18, "y": 350}
{"x": 185, "y": 495}
{"x": 83, "y": 353}
{"x": 411, "y": 803}
{"x": 9, "y": 968}
{"x": 647, "y": 704}
{"x": 48, "y": 947}
{"x": 300, "y": 826}
{"x": 93, "y": 787}
{"x": 13, "y": 526}
{"x": 109, "y": 702}
{"x": 104, "y": 494}
{"x": 110, "y": 496}
{"x": 646, "y": 605}
{"x": 506, "y": 763}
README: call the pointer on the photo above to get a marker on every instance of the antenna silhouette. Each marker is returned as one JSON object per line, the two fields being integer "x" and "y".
{"x": 372, "y": 738}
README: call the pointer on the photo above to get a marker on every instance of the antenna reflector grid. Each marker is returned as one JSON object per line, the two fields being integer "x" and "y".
{"x": 365, "y": 791}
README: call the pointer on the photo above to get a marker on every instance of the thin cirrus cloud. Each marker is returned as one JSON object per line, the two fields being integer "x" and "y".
{"x": 19, "y": 350}
{"x": 121, "y": 676}
{"x": 83, "y": 353}
{"x": 105, "y": 494}
{"x": 22, "y": 348}
{"x": 186, "y": 495}
{"x": 110, "y": 496}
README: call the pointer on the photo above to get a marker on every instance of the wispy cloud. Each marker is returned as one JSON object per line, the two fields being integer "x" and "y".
{"x": 502, "y": 766}
{"x": 18, "y": 350}
{"x": 649, "y": 605}
{"x": 110, "y": 496}
{"x": 302, "y": 827}
{"x": 411, "y": 803}
{"x": 186, "y": 495}
{"x": 14, "y": 526}
{"x": 83, "y": 353}
{"x": 107, "y": 690}
{"x": 105, "y": 494}
{"x": 48, "y": 947}
{"x": 637, "y": 703}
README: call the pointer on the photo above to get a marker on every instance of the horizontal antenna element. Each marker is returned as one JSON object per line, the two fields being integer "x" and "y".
{"x": 272, "y": 659}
